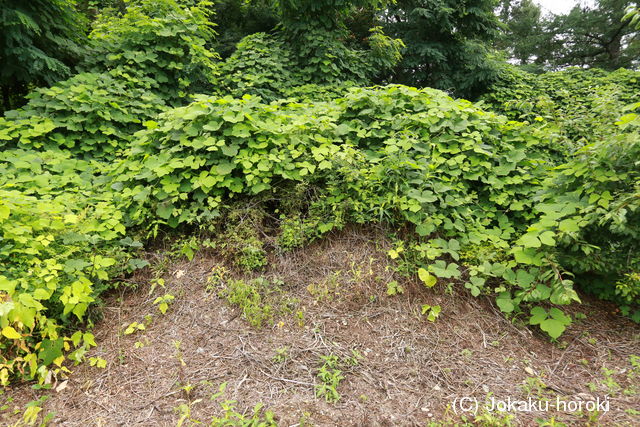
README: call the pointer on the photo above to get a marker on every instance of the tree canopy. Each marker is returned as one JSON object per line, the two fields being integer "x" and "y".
{"x": 40, "y": 43}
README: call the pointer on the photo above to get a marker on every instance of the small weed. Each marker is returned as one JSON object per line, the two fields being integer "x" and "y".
{"x": 611, "y": 385}
{"x": 300, "y": 318}
{"x": 259, "y": 300}
{"x": 33, "y": 412}
{"x": 494, "y": 419}
{"x": 394, "y": 288}
{"x": 155, "y": 283}
{"x": 632, "y": 375}
{"x": 533, "y": 386}
{"x": 328, "y": 290}
{"x": 252, "y": 257}
{"x": 134, "y": 327}
{"x": 631, "y": 411}
{"x": 184, "y": 411}
{"x": 163, "y": 302}
{"x": 232, "y": 417}
{"x": 98, "y": 362}
{"x": 186, "y": 247}
{"x": 431, "y": 311}
{"x": 293, "y": 233}
{"x": 217, "y": 278}
{"x": 249, "y": 298}
{"x": 178, "y": 354}
{"x": 330, "y": 376}
{"x": 281, "y": 356}
{"x": 551, "y": 422}
{"x": 355, "y": 358}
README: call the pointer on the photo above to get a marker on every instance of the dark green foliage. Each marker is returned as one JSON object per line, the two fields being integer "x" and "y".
{"x": 312, "y": 49}
{"x": 446, "y": 43}
{"x": 264, "y": 66}
{"x": 236, "y": 19}
{"x": 261, "y": 65}
{"x": 152, "y": 55}
{"x": 318, "y": 66}
{"x": 92, "y": 8}
{"x": 39, "y": 44}
{"x": 599, "y": 35}
{"x": 523, "y": 34}
{"x": 300, "y": 16}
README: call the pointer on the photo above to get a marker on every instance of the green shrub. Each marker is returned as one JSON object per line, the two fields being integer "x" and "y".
{"x": 465, "y": 178}
{"x": 260, "y": 65}
{"x": 62, "y": 243}
{"x": 54, "y": 254}
{"x": 183, "y": 168}
{"x": 315, "y": 64}
{"x": 151, "y": 55}
{"x": 92, "y": 115}
{"x": 589, "y": 219}
{"x": 582, "y": 104}
{"x": 160, "y": 40}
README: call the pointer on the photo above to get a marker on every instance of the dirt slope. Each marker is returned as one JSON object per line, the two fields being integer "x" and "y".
{"x": 398, "y": 368}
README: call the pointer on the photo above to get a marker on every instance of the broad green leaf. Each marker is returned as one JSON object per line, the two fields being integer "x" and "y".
{"x": 538, "y": 315}
{"x": 225, "y": 168}
{"x": 552, "y": 327}
{"x": 505, "y": 303}
{"x": 568, "y": 226}
{"x": 529, "y": 240}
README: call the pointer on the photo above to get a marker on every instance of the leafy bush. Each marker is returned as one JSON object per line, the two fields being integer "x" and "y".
{"x": 264, "y": 65}
{"x": 61, "y": 244}
{"x": 465, "y": 178}
{"x": 62, "y": 233}
{"x": 183, "y": 168}
{"x": 435, "y": 161}
{"x": 261, "y": 65}
{"x": 315, "y": 60}
{"x": 590, "y": 218}
{"x": 583, "y": 104}
{"x": 152, "y": 55}
{"x": 163, "y": 41}
{"x": 90, "y": 114}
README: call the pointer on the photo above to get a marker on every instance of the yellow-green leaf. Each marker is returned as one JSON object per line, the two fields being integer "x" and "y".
{"x": 428, "y": 280}
{"x": 11, "y": 333}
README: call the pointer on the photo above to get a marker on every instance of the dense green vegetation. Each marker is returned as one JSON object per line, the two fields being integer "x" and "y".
{"x": 528, "y": 196}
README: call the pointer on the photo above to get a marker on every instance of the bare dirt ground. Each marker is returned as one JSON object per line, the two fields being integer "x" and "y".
{"x": 398, "y": 368}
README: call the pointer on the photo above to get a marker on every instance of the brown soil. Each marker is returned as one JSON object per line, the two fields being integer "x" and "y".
{"x": 410, "y": 373}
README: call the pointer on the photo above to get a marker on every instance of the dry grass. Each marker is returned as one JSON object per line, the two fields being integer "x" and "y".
{"x": 410, "y": 373}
